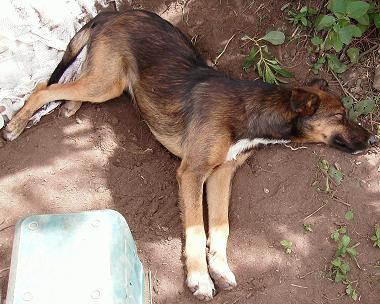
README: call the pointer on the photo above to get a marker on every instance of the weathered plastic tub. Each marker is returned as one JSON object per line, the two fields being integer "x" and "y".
{"x": 76, "y": 258}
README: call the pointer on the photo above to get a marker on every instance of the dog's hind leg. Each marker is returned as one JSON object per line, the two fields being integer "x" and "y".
{"x": 218, "y": 197}
{"x": 88, "y": 88}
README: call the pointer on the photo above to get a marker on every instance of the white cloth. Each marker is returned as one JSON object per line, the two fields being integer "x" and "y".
{"x": 33, "y": 37}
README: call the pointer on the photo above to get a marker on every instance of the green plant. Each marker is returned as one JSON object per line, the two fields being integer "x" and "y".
{"x": 376, "y": 238}
{"x": 302, "y": 17}
{"x": 340, "y": 269}
{"x": 343, "y": 247}
{"x": 287, "y": 245}
{"x": 336, "y": 233}
{"x": 352, "y": 292}
{"x": 344, "y": 21}
{"x": 349, "y": 216}
{"x": 268, "y": 67}
{"x": 355, "y": 110}
{"x": 332, "y": 172}
{"x": 339, "y": 266}
{"x": 308, "y": 227}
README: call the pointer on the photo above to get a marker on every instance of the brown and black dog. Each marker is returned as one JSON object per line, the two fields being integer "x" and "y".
{"x": 199, "y": 114}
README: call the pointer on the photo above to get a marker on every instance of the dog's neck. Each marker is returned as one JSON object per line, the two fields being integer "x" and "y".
{"x": 267, "y": 113}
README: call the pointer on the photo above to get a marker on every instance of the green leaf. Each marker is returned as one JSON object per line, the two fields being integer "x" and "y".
{"x": 286, "y": 243}
{"x": 376, "y": 20}
{"x": 357, "y": 9}
{"x": 339, "y": 277}
{"x": 349, "y": 215}
{"x": 365, "y": 106}
{"x": 353, "y": 54}
{"x": 345, "y": 240}
{"x": 352, "y": 251}
{"x": 281, "y": 71}
{"x": 316, "y": 41}
{"x": 335, "y": 174}
{"x": 354, "y": 295}
{"x": 337, "y": 44}
{"x": 335, "y": 64}
{"x": 335, "y": 236}
{"x": 303, "y": 9}
{"x": 324, "y": 22}
{"x": 345, "y": 268}
{"x": 337, "y": 262}
{"x": 274, "y": 37}
{"x": 304, "y": 21}
{"x": 355, "y": 31}
{"x": 364, "y": 20}
{"x": 250, "y": 59}
{"x": 377, "y": 232}
{"x": 345, "y": 35}
{"x": 347, "y": 102}
{"x": 337, "y": 6}
{"x": 269, "y": 76}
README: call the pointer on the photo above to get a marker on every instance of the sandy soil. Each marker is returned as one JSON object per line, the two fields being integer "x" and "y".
{"x": 105, "y": 157}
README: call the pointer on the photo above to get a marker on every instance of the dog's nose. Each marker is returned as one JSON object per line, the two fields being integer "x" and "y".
{"x": 372, "y": 140}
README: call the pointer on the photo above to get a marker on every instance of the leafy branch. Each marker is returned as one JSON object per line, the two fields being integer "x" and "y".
{"x": 268, "y": 67}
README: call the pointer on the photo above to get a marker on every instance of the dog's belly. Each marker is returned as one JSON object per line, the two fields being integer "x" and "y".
{"x": 172, "y": 143}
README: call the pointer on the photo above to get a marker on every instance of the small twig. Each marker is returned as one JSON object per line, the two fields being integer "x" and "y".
{"x": 6, "y": 227}
{"x": 225, "y": 48}
{"x": 343, "y": 88}
{"x": 299, "y": 286}
{"x": 311, "y": 214}
{"x": 357, "y": 263}
{"x": 306, "y": 274}
{"x": 339, "y": 200}
{"x": 295, "y": 149}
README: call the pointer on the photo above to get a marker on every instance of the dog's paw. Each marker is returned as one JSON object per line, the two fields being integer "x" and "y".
{"x": 201, "y": 285}
{"x": 220, "y": 272}
{"x": 69, "y": 108}
{"x": 14, "y": 129}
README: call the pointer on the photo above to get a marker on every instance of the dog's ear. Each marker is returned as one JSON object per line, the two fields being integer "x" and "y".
{"x": 304, "y": 102}
{"x": 318, "y": 83}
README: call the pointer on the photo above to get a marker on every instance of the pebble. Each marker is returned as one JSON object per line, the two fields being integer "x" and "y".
{"x": 100, "y": 189}
{"x": 266, "y": 190}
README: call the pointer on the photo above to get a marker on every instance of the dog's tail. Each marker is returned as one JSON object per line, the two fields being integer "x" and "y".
{"x": 76, "y": 44}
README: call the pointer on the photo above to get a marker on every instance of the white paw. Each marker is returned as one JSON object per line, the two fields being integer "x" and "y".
{"x": 201, "y": 285}
{"x": 221, "y": 273}
{"x": 69, "y": 108}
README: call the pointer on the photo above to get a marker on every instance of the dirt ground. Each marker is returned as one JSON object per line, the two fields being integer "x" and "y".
{"x": 105, "y": 157}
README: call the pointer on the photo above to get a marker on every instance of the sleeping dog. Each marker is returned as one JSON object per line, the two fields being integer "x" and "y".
{"x": 209, "y": 120}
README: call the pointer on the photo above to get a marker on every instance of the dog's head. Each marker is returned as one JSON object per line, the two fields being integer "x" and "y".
{"x": 322, "y": 118}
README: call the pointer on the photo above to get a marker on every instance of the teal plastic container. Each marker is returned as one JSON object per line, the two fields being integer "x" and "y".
{"x": 76, "y": 258}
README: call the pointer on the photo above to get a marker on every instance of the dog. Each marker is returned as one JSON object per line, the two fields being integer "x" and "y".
{"x": 209, "y": 120}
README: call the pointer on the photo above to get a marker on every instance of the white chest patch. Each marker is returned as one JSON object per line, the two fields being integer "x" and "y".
{"x": 247, "y": 144}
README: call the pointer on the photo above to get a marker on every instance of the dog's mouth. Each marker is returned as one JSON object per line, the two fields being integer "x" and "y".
{"x": 340, "y": 143}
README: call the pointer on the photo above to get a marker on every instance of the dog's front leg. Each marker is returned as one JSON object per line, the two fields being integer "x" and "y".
{"x": 218, "y": 197}
{"x": 190, "y": 191}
